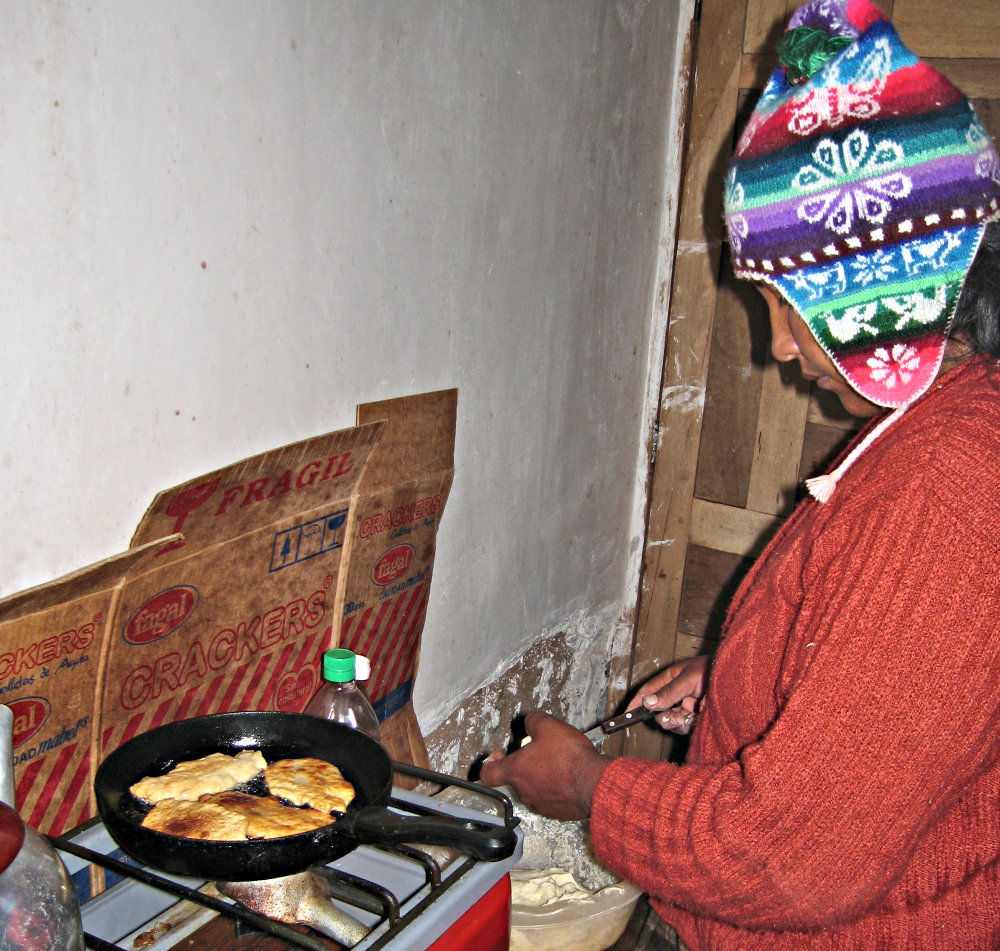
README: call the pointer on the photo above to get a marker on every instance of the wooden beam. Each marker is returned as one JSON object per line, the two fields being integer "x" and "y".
{"x": 934, "y": 29}
{"x": 764, "y": 25}
{"x": 734, "y": 530}
{"x": 692, "y": 303}
{"x": 977, "y": 78}
{"x": 781, "y": 424}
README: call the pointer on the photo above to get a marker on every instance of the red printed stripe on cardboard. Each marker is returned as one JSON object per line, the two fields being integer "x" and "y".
{"x": 50, "y": 812}
{"x": 78, "y": 791}
{"x": 399, "y": 653}
{"x": 389, "y": 639}
{"x": 40, "y": 781}
{"x": 405, "y": 651}
{"x": 208, "y": 699}
{"x": 373, "y": 638}
{"x": 400, "y": 662}
{"x": 367, "y": 631}
{"x": 60, "y": 753}
{"x": 235, "y": 683}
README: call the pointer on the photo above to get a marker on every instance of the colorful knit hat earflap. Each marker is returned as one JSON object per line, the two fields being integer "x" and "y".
{"x": 859, "y": 190}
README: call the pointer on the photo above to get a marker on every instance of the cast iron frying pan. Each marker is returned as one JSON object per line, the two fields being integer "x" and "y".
{"x": 364, "y": 763}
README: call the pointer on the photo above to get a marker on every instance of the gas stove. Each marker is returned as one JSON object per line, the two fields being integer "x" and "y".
{"x": 406, "y": 897}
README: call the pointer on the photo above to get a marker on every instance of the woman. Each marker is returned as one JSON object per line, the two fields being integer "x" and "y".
{"x": 842, "y": 786}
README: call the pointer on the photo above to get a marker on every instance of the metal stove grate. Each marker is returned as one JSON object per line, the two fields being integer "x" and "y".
{"x": 419, "y": 883}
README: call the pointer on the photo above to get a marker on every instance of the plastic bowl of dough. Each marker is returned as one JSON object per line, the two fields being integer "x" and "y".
{"x": 562, "y": 896}
{"x": 583, "y": 924}
{"x": 562, "y": 899}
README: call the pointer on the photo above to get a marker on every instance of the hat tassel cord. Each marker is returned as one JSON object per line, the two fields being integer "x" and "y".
{"x": 821, "y": 487}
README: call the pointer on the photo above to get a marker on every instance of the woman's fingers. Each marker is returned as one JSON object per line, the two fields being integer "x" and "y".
{"x": 675, "y": 692}
{"x": 678, "y": 719}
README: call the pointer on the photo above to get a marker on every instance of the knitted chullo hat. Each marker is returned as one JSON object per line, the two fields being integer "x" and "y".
{"x": 860, "y": 193}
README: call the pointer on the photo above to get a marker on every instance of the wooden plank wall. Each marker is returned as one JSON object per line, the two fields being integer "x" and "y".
{"x": 737, "y": 432}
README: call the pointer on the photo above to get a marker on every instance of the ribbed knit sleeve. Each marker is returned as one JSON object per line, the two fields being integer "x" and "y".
{"x": 845, "y": 773}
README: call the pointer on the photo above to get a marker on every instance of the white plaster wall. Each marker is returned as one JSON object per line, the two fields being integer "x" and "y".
{"x": 223, "y": 224}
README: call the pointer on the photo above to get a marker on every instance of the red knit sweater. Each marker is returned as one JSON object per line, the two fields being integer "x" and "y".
{"x": 842, "y": 789}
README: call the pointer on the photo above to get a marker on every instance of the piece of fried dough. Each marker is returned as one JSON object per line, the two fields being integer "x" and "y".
{"x": 266, "y": 816}
{"x": 196, "y": 820}
{"x": 310, "y": 782}
{"x": 193, "y": 778}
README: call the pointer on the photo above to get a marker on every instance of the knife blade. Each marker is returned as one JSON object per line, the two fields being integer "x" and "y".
{"x": 597, "y": 734}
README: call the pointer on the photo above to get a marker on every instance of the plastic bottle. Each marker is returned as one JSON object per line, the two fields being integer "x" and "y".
{"x": 340, "y": 698}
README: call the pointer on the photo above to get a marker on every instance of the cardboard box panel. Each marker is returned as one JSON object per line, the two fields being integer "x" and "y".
{"x": 263, "y": 490}
{"x": 51, "y": 641}
{"x": 392, "y": 544}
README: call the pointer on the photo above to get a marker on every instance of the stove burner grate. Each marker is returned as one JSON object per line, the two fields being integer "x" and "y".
{"x": 399, "y": 892}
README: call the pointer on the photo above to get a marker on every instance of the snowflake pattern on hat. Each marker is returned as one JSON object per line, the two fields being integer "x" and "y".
{"x": 853, "y": 187}
{"x": 898, "y": 363}
{"x": 861, "y": 195}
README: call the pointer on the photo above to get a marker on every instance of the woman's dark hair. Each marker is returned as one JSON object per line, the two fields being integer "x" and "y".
{"x": 977, "y": 315}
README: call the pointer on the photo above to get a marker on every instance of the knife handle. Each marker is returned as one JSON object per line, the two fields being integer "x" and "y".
{"x": 613, "y": 725}
{"x": 638, "y": 715}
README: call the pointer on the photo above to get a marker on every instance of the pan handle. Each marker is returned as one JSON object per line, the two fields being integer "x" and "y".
{"x": 481, "y": 840}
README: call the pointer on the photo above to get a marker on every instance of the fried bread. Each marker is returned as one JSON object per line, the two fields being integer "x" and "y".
{"x": 196, "y": 820}
{"x": 191, "y": 779}
{"x": 266, "y": 816}
{"x": 309, "y": 782}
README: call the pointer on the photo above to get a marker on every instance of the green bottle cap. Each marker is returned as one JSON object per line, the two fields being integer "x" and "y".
{"x": 338, "y": 665}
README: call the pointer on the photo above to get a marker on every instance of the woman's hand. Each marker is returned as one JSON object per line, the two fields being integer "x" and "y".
{"x": 555, "y": 774}
{"x": 675, "y": 690}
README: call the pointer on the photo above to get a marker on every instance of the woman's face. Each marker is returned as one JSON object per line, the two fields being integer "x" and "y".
{"x": 791, "y": 340}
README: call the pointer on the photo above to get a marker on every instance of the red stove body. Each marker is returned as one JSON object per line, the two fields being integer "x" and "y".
{"x": 444, "y": 901}
{"x": 485, "y": 926}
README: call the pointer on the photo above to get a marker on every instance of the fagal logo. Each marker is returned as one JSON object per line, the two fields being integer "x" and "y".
{"x": 393, "y": 564}
{"x": 30, "y": 713}
{"x": 161, "y": 615}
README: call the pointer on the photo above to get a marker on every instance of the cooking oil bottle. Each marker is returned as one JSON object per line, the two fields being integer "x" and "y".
{"x": 340, "y": 698}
